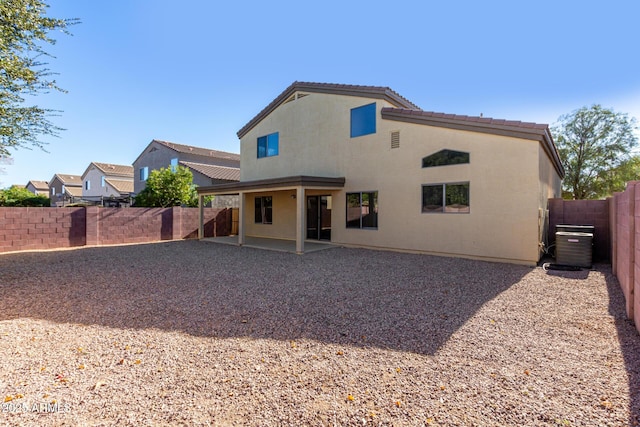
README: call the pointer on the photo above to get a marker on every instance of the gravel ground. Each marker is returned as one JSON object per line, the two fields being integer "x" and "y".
{"x": 195, "y": 333}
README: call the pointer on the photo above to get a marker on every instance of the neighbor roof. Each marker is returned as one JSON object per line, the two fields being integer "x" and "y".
{"x": 39, "y": 185}
{"x": 67, "y": 180}
{"x": 121, "y": 185}
{"x": 377, "y": 92}
{"x": 206, "y": 152}
{"x": 526, "y": 130}
{"x": 214, "y": 172}
{"x": 114, "y": 170}
{"x": 73, "y": 191}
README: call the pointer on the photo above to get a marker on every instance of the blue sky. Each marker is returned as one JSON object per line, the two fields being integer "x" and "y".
{"x": 195, "y": 71}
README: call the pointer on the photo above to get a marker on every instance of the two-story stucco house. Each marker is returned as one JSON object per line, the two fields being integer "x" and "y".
{"x": 207, "y": 166}
{"x": 65, "y": 189}
{"x": 107, "y": 184}
{"x": 363, "y": 166}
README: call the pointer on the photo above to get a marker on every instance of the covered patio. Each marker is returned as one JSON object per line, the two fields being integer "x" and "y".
{"x": 290, "y": 196}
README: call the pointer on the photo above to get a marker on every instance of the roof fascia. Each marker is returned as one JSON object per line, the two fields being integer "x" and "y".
{"x": 283, "y": 183}
{"x": 346, "y": 90}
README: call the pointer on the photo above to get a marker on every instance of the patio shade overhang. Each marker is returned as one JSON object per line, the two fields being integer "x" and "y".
{"x": 299, "y": 183}
{"x": 284, "y": 183}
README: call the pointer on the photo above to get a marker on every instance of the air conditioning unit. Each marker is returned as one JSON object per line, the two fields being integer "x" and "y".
{"x": 574, "y": 249}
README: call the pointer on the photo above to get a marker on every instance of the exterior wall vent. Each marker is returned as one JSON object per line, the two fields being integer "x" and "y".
{"x": 395, "y": 139}
{"x": 295, "y": 96}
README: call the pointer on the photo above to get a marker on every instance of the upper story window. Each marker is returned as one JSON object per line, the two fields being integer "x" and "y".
{"x": 268, "y": 145}
{"x": 174, "y": 164}
{"x": 144, "y": 173}
{"x": 363, "y": 120}
{"x": 102, "y": 181}
{"x": 87, "y": 185}
{"x": 53, "y": 191}
{"x": 445, "y": 158}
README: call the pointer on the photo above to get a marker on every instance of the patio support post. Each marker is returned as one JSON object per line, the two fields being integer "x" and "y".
{"x": 200, "y": 217}
{"x": 300, "y": 219}
{"x": 241, "y": 219}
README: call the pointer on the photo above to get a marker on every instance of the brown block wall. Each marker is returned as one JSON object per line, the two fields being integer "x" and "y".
{"x": 50, "y": 228}
{"x": 636, "y": 255}
{"x": 41, "y": 228}
{"x": 583, "y": 212}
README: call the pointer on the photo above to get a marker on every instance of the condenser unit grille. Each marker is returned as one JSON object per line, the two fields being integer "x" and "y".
{"x": 574, "y": 249}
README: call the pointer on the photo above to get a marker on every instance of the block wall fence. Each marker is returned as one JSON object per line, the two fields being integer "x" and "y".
{"x": 616, "y": 222}
{"x": 625, "y": 225}
{"x": 49, "y": 228}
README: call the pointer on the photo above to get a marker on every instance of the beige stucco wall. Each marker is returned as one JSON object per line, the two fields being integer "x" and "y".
{"x": 284, "y": 216}
{"x": 509, "y": 181}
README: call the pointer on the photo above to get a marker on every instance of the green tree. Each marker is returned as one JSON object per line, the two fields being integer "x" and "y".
{"x": 24, "y": 29}
{"x": 166, "y": 187}
{"x": 20, "y": 196}
{"x": 595, "y": 145}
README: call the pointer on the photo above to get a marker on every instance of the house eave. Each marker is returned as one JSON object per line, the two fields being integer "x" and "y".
{"x": 375, "y": 92}
{"x": 273, "y": 183}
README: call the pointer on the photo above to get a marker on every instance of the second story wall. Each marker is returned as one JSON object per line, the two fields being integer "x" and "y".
{"x": 314, "y": 138}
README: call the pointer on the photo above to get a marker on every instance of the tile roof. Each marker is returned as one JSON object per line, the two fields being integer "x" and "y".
{"x": 514, "y": 128}
{"x": 73, "y": 191}
{"x": 214, "y": 172}
{"x": 377, "y": 92}
{"x": 39, "y": 185}
{"x": 121, "y": 185}
{"x": 69, "y": 180}
{"x": 443, "y": 117}
{"x": 199, "y": 151}
{"x": 114, "y": 170}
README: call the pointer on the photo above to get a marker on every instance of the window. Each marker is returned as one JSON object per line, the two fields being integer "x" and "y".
{"x": 268, "y": 145}
{"x": 174, "y": 164}
{"x": 63, "y": 188}
{"x": 445, "y": 158}
{"x": 362, "y": 210}
{"x": 144, "y": 173}
{"x": 363, "y": 120}
{"x": 102, "y": 181}
{"x": 447, "y": 198}
{"x": 87, "y": 185}
{"x": 264, "y": 210}
{"x": 53, "y": 191}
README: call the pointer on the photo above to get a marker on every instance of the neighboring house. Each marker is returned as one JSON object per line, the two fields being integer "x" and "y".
{"x": 207, "y": 166}
{"x": 363, "y": 166}
{"x": 39, "y": 188}
{"x": 107, "y": 184}
{"x": 65, "y": 189}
